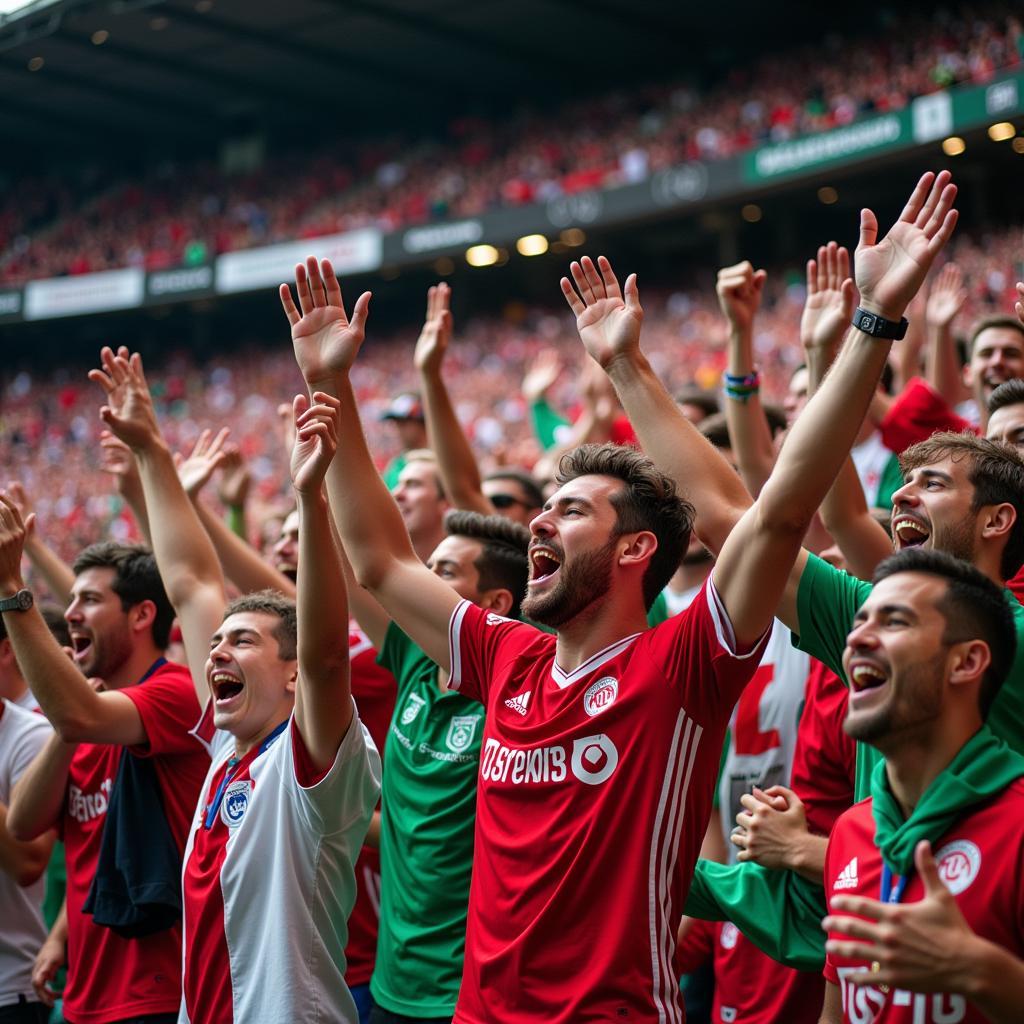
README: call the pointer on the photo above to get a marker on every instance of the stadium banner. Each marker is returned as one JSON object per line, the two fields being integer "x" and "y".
{"x": 927, "y": 119}
{"x": 181, "y": 283}
{"x": 10, "y": 304}
{"x": 353, "y": 252}
{"x": 84, "y": 293}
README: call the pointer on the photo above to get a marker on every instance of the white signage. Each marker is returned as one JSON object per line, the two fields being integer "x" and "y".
{"x": 84, "y": 293}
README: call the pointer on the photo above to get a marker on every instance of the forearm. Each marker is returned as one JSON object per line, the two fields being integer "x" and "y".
{"x": 242, "y": 565}
{"x": 807, "y": 857}
{"x": 460, "y": 475}
{"x": 363, "y": 607}
{"x": 942, "y": 367}
{"x": 749, "y": 432}
{"x": 373, "y": 832}
{"x": 993, "y": 981}
{"x": 23, "y": 861}
{"x": 56, "y": 573}
{"x": 135, "y": 499}
{"x": 679, "y": 449}
{"x": 38, "y": 796}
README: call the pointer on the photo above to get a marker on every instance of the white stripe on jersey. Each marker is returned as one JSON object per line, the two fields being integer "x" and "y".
{"x": 667, "y": 829}
{"x": 455, "y": 644}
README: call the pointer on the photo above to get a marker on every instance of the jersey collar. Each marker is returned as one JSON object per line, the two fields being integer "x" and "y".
{"x": 592, "y": 664}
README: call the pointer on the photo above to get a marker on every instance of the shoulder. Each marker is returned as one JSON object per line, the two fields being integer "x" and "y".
{"x": 855, "y": 822}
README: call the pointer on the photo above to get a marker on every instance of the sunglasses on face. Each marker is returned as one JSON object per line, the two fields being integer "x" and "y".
{"x": 507, "y": 501}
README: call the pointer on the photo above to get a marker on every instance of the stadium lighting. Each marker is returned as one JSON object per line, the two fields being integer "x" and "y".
{"x": 481, "y": 255}
{"x": 36, "y": 63}
{"x": 13, "y": 6}
{"x": 1018, "y": 145}
{"x": 751, "y": 213}
{"x": 99, "y": 37}
{"x": 532, "y": 245}
{"x": 1002, "y": 131}
{"x": 573, "y": 236}
{"x": 953, "y": 146}
{"x": 828, "y": 195}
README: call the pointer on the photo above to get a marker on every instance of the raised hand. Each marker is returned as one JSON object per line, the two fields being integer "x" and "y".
{"x": 890, "y": 271}
{"x": 325, "y": 340}
{"x": 14, "y": 532}
{"x": 195, "y": 469}
{"x": 946, "y": 297}
{"x": 830, "y": 297}
{"x": 918, "y": 946}
{"x": 233, "y": 485}
{"x": 17, "y": 495}
{"x": 739, "y": 290}
{"x": 129, "y": 410}
{"x": 608, "y": 318}
{"x": 770, "y": 827}
{"x": 541, "y": 375}
{"x": 437, "y": 330}
{"x": 316, "y": 440}
{"x": 117, "y": 460}
{"x": 1019, "y": 304}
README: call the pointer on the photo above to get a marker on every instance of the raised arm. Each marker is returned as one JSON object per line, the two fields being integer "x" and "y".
{"x": 942, "y": 366}
{"x": 368, "y": 521}
{"x": 460, "y": 475}
{"x": 185, "y": 556}
{"x": 323, "y": 695}
{"x": 739, "y": 291}
{"x": 56, "y": 573}
{"x": 844, "y": 511}
{"x": 119, "y": 462}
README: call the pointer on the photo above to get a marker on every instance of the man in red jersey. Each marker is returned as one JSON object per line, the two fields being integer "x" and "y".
{"x": 928, "y": 652}
{"x": 601, "y": 744}
{"x": 120, "y": 620}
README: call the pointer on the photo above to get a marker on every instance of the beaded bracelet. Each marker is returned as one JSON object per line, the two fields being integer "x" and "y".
{"x": 740, "y": 388}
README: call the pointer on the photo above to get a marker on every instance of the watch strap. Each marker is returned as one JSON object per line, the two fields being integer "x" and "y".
{"x": 878, "y": 327}
{"x": 19, "y": 602}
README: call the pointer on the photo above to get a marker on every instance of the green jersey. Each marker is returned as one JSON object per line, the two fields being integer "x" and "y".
{"x": 428, "y": 810}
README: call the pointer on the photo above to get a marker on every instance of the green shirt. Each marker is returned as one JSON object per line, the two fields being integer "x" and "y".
{"x": 828, "y": 600}
{"x": 428, "y": 811}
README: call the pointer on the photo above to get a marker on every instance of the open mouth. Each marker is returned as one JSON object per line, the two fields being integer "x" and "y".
{"x": 909, "y": 531}
{"x": 544, "y": 564}
{"x": 225, "y": 687}
{"x": 866, "y": 678}
{"x": 81, "y": 644}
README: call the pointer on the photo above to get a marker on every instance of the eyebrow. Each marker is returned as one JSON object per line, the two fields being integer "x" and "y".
{"x": 887, "y": 609}
{"x": 86, "y": 592}
{"x": 568, "y": 500}
{"x": 234, "y": 634}
{"x": 446, "y": 562}
{"x": 935, "y": 474}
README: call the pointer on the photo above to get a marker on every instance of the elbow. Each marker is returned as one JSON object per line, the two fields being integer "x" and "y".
{"x": 370, "y": 573}
{"x": 72, "y": 727}
{"x": 780, "y": 517}
{"x": 30, "y": 871}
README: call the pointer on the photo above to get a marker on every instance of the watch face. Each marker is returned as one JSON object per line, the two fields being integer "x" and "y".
{"x": 867, "y": 322}
{"x": 24, "y": 599}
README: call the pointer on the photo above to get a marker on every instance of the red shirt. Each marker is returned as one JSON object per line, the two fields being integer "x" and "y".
{"x": 916, "y": 413}
{"x": 981, "y": 860}
{"x": 1016, "y": 586}
{"x": 111, "y": 978}
{"x": 595, "y": 792}
{"x": 374, "y": 690}
{"x": 750, "y": 987}
{"x": 825, "y": 758}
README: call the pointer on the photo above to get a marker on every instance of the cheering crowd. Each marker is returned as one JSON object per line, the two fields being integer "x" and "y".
{"x": 699, "y": 693}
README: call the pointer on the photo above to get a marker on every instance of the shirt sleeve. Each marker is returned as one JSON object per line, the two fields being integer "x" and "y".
{"x": 699, "y": 656}
{"x": 830, "y": 972}
{"x": 335, "y": 800}
{"x": 827, "y": 600}
{"x": 916, "y": 413}
{"x": 26, "y": 747}
{"x": 697, "y": 948}
{"x": 394, "y": 650}
{"x": 480, "y": 642}
{"x": 167, "y": 705}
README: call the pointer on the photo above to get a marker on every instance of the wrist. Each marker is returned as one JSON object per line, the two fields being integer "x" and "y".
{"x": 981, "y": 968}
{"x": 886, "y": 312}
{"x": 327, "y": 383}
{"x": 10, "y": 585}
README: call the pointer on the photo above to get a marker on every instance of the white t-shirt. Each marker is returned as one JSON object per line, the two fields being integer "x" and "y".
{"x": 871, "y": 457}
{"x": 22, "y": 735}
{"x": 268, "y": 881}
{"x": 27, "y": 701}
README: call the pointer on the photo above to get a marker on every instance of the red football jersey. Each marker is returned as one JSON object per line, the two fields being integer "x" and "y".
{"x": 825, "y": 758}
{"x": 111, "y": 978}
{"x": 374, "y": 690}
{"x": 1016, "y": 586}
{"x": 595, "y": 793}
{"x": 750, "y": 987}
{"x": 981, "y": 860}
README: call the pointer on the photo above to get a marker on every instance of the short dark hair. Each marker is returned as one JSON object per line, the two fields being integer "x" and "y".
{"x": 776, "y": 418}
{"x": 530, "y": 487}
{"x": 272, "y": 602}
{"x": 503, "y": 562}
{"x": 701, "y": 399}
{"x": 55, "y": 622}
{"x": 136, "y": 579}
{"x": 1010, "y": 392}
{"x": 996, "y": 474}
{"x": 999, "y": 320}
{"x": 716, "y": 429}
{"x": 649, "y": 501}
{"x": 974, "y": 609}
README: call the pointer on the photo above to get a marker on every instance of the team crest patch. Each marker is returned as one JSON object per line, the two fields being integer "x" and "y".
{"x": 600, "y": 695}
{"x": 494, "y": 619}
{"x": 730, "y": 935}
{"x": 235, "y": 802}
{"x": 412, "y": 709}
{"x": 461, "y": 731}
{"x": 959, "y": 863}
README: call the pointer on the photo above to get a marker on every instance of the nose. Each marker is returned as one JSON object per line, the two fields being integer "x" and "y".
{"x": 862, "y": 637}
{"x": 540, "y": 524}
{"x": 73, "y": 612}
{"x": 906, "y": 495}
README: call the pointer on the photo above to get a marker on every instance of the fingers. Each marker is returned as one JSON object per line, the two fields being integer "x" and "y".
{"x": 593, "y": 277}
{"x": 582, "y": 283}
{"x": 853, "y": 951}
{"x": 302, "y": 289}
{"x": 611, "y": 283}
{"x": 1019, "y": 304}
{"x": 316, "y": 284}
{"x": 916, "y": 202}
{"x": 332, "y": 288}
{"x": 288, "y": 305}
{"x": 942, "y": 235}
{"x": 812, "y": 277}
{"x": 632, "y": 295}
{"x": 868, "y": 228}
{"x": 928, "y": 869}
{"x": 576, "y": 304}
{"x": 360, "y": 312}
{"x": 862, "y": 907}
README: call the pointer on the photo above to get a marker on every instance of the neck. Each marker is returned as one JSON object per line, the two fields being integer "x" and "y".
{"x": 134, "y": 668}
{"x": 243, "y": 746}
{"x": 913, "y": 761}
{"x": 686, "y": 577}
{"x": 598, "y": 626}
{"x": 990, "y": 563}
{"x": 13, "y": 687}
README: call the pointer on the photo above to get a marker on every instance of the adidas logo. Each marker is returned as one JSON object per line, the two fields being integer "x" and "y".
{"x": 519, "y": 701}
{"x": 847, "y": 877}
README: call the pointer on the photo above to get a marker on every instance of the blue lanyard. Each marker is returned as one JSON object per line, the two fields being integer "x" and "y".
{"x": 888, "y": 893}
{"x": 233, "y": 762}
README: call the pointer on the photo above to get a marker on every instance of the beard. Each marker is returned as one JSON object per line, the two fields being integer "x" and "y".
{"x": 956, "y": 539}
{"x": 580, "y": 584}
{"x": 107, "y": 654}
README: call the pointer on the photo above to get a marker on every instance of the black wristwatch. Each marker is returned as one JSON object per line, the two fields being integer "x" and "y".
{"x": 20, "y": 602}
{"x": 878, "y": 327}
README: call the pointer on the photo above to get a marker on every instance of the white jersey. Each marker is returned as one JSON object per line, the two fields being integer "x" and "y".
{"x": 22, "y": 735}
{"x": 268, "y": 881}
{"x": 763, "y": 727}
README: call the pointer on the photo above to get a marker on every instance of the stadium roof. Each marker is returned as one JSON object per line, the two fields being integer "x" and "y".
{"x": 124, "y": 74}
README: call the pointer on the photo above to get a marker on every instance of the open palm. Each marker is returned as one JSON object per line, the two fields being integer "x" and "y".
{"x": 326, "y": 342}
{"x": 129, "y": 410}
{"x": 316, "y": 440}
{"x": 829, "y": 302}
{"x": 608, "y": 320}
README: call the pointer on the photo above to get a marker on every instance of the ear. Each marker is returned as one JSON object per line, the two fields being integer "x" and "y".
{"x": 498, "y": 600}
{"x": 143, "y": 616}
{"x": 969, "y": 662}
{"x": 999, "y": 522}
{"x": 293, "y": 680}
{"x": 639, "y": 548}
{"x": 6, "y": 651}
